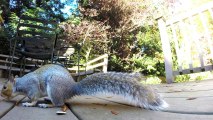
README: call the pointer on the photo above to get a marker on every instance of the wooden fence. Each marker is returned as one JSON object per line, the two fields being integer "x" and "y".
{"x": 187, "y": 42}
{"x": 88, "y": 68}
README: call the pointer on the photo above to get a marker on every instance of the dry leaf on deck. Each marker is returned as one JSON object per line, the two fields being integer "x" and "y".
{"x": 192, "y": 98}
{"x": 114, "y": 112}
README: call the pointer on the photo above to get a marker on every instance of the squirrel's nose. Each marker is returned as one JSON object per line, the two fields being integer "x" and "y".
{"x": 2, "y": 95}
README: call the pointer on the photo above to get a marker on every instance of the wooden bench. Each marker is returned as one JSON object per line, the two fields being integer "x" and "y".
{"x": 191, "y": 39}
{"x": 5, "y": 64}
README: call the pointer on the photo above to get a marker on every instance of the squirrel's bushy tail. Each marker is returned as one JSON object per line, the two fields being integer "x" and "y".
{"x": 122, "y": 84}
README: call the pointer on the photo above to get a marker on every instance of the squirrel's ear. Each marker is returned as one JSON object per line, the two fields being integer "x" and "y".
{"x": 11, "y": 78}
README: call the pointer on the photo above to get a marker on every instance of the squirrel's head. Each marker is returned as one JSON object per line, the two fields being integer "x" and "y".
{"x": 7, "y": 89}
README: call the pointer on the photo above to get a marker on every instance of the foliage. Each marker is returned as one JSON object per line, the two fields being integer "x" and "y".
{"x": 149, "y": 42}
{"x": 12, "y": 25}
{"x": 182, "y": 78}
{"x": 84, "y": 35}
{"x": 117, "y": 64}
{"x": 131, "y": 47}
{"x": 117, "y": 26}
{"x": 125, "y": 29}
{"x": 76, "y": 32}
{"x": 52, "y": 8}
{"x": 145, "y": 54}
{"x": 3, "y": 38}
{"x": 11, "y": 10}
{"x": 152, "y": 80}
{"x": 113, "y": 11}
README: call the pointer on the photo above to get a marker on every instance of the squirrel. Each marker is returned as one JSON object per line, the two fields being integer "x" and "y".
{"x": 56, "y": 83}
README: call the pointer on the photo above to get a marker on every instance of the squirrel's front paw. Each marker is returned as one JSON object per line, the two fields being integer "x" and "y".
{"x": 27, "y": 104}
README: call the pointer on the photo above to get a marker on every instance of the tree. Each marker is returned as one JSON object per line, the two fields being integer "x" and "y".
{"x": 52, "y": 8}
{"x": 117, "y": 22}
{"x": 11, "y": 10}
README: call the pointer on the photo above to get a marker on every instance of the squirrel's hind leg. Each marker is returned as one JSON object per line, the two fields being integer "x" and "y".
{"x": 47, "y": 99}
{"x": 43, "y": 105}
{"x": 59, "y": 102}
{"x": 56, "y": 98}
{"x": 64, "y": 108}
{"x": 62, "y": 111}
{"x": 46, "y": 105}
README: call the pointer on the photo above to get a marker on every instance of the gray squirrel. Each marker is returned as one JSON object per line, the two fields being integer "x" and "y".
{"x": 56, "y": 82}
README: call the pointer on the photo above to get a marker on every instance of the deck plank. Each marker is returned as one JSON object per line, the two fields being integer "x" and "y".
{"x": 91, "y": 108}
{"x": 188, "y": 94}
{"x": 12, "y": 110}
{"x": 35, "y": 113}
{"x": 5, "y": 105}
{"x": 191, "y": 100}
{"x": 183, "y": 98}
{"x": 192, "y": 105}
{"x": 203, "y": 85}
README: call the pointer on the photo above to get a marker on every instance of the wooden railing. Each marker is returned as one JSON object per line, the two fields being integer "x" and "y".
{"x": 187, "y": 39}
{"x": 5, "y": 61}
{"x": 88, "y": 68}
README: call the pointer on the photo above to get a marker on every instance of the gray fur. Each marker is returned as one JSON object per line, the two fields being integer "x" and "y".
{"x": 56, "y": 82}
{"x": 123, "y": 84}
{"x": 34, "y": 84}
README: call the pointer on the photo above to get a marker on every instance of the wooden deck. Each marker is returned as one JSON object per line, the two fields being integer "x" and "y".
{"x": 188, "y": 101}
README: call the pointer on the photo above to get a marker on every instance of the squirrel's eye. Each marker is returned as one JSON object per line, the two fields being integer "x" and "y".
{"x": 4, "y": 87}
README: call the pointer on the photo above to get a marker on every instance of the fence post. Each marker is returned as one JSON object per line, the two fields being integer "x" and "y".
{"x": 105, "y": 64}
{"x": 166, "y": 50}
